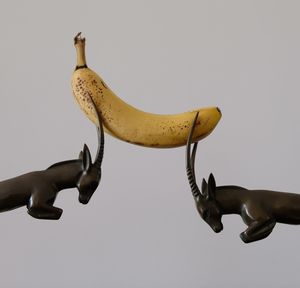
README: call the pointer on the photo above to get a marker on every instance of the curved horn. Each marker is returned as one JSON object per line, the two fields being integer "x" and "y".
{"x": 190, "y": 161}
{"x": 100, "y": 132}
{"x": 193, "y": 158}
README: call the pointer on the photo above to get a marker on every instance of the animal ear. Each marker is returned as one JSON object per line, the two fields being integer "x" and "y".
{"x": 80, "y": 155}
{"x": 86, "y": 158}
{"x": 204, "y": 187}
{"x": 211, "y": 186}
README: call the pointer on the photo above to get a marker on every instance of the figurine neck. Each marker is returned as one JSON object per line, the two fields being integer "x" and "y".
{"x": 65, "y": 174}
{"x": 230, "y": 199}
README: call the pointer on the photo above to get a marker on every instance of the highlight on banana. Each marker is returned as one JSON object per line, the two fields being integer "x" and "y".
{"x": 128, "y": 123}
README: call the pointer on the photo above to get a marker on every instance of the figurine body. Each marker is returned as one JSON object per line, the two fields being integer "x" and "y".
{"x": 38, "y": 190}
{"x": 259, "y": 209}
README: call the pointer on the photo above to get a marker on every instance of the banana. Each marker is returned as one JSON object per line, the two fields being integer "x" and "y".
{"x": 129, "y": 124}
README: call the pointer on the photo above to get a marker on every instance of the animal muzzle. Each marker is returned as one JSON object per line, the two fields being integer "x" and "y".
{"x": 218, "y": 228}
{"x": 84, "y": 200}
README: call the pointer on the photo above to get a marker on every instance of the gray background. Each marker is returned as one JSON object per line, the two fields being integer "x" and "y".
{"x": 141, "y": 228}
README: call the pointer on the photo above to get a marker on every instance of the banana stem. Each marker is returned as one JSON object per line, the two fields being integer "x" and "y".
{"x": 80, "y": 50}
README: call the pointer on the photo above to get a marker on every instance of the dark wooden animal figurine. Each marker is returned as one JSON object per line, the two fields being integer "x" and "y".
{"x": 259, "y": 209}
{"x": 38, "y": 189}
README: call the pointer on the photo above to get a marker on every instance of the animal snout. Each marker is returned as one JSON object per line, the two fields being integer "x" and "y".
{"x": 83, "y": 200}
{"x": 218, "y": 228}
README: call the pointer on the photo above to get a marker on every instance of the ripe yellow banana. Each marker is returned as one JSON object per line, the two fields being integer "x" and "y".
{"x": 129, "y": 124}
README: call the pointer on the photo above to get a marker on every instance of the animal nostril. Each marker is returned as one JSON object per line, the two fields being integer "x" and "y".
{"x": 219, "y": 110}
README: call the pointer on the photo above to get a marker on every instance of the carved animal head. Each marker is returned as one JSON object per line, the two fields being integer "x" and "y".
{"x": 206, "y": 203}
{"x": 91, "y": 172}
{"x": 207, "y": 206}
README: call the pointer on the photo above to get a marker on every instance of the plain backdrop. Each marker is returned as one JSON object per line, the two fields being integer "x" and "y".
{"x": 141, "y": 228}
